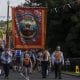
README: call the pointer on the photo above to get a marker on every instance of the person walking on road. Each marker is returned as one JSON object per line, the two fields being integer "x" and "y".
{"x": 6, "y": 59}
{"x": 18, "y": 56}
{"x": 57, "y": 61}
{"x": 26, "y": 66}
{"x": 45, "y": 63}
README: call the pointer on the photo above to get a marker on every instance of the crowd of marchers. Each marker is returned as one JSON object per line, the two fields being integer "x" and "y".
{"x": 29, "y": 61}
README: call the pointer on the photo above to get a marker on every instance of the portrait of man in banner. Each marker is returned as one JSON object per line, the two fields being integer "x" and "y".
{"x": 27, "y": 27}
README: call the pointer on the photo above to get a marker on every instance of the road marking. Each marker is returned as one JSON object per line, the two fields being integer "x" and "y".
{"x": 27, "y": 78}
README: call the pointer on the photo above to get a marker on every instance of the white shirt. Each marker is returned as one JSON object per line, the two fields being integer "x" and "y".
{"x": 48, "y": 56}
{"x": 54, "y": 60}
{"x": 3, "y": 58}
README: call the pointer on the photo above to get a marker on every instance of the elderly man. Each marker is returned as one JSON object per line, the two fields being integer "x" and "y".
{"x": 57, "y": 61}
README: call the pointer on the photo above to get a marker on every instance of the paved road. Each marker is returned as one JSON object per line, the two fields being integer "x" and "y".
{"x": 37, "y": 76}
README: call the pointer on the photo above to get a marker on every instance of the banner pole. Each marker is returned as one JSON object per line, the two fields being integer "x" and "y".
{"x": 7, "y": 32}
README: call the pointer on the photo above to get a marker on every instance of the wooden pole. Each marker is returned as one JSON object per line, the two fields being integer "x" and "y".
{"x": 7, "y": 32}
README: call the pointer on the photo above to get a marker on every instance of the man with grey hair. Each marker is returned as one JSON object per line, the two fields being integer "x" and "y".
{"x": 57, "y": 61}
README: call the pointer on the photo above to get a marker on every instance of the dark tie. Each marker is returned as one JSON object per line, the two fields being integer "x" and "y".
{"x": 6, "y": 57}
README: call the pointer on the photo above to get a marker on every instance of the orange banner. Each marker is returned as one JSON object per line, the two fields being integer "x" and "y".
{"x": 29, "y": 27}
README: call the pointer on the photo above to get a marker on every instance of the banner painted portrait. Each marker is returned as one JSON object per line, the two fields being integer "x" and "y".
{"x": 28, "y": 27}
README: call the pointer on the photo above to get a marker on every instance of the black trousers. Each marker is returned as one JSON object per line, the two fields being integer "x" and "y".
{"x": 6, "y": 68}
{"x": 57, "y": 69}
{"x": 44, "y": 65}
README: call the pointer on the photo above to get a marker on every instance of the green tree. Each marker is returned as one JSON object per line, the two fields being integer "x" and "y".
{"x": 63, "y": 26}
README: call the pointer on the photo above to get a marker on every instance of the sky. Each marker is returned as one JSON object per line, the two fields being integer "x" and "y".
{"x": 3, "y": 7}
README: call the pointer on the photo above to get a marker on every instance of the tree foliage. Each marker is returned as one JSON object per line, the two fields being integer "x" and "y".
{"x": 64, "y": 26}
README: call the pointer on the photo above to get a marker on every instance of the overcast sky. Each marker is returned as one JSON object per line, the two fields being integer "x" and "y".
{"x": 3, "y": 7}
